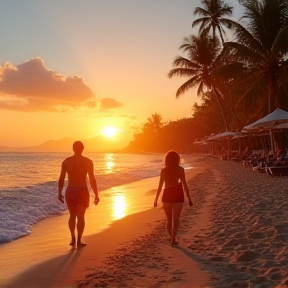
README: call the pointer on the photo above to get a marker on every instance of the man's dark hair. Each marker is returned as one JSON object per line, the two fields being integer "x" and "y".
{"x": 78, "y": 146}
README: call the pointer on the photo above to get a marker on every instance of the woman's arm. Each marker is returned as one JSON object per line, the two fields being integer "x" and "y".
{"x": 185, "y": 186}
{"x": 161, "y": 181}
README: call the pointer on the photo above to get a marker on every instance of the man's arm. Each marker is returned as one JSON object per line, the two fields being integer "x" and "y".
{"x": 93, "y": 183}
{"x": 61, "y": 183}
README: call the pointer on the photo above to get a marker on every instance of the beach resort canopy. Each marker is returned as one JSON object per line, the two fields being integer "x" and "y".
{"x": 278, "y": 119}
{"x": 200, "y": 142}
{"x": 270, "y": 121}
{"x": 223, "y": 135}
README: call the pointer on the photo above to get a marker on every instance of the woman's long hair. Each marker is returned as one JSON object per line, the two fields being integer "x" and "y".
{"x": 172, "y": 161}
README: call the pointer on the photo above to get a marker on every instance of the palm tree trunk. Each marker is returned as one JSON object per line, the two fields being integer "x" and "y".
{"x": 216, "y": 93}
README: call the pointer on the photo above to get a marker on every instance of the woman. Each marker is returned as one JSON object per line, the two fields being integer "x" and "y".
{"x": 173, "y": 176}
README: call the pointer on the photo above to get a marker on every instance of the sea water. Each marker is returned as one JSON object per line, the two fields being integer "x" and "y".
{"x": 29, "y": 187}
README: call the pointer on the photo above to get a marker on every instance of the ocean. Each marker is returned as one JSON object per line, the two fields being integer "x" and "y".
{"x": 29, "y": 184}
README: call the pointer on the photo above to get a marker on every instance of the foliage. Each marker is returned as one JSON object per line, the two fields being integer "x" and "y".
{"x": 261, "y": 51}
{"x": 213, "y": 18}
{"x": 201, "y": 57}
{"x": 239, "y": 81}
{"x": 177, "y": 135}
{"x": 154, "y": 124}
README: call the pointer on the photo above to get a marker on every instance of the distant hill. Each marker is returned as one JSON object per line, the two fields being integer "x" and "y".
{"x": 95, "y": 144}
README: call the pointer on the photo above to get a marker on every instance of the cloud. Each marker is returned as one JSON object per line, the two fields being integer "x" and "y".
{"x": 32, "y": 87}
{"x": 103, "y": 115}
{"x": 109, "y": 103}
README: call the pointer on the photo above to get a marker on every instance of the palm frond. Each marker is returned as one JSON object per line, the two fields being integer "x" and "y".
{"x": 182, "y": 72}
{"x": 227, "y": 22}
{"x": 281, "y": 42}
{"x": 186, "y": 63}
{"x": 242, "y": 52}
{"x": 200, "y": 89}
{"x": 201, "y": 11}
{"x": 246, "y": 38}
{"x": 227, "y": 72}
{"x": 250, "y": 87}
{"x": 187, "y": 86}
{"x": 199, "y": 21}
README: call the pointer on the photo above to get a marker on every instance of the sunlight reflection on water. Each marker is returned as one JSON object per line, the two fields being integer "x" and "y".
{"x": 109, "y": 162}
{"x": 119, "y": 206}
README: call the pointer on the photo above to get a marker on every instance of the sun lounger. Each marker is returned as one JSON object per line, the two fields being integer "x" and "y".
{"x": 277, "y": 170}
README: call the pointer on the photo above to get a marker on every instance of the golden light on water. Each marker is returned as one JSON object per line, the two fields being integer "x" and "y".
{"x": 109, "y": 162}
{"x": 109, "y": 165}
{"x": 119, "y": 206}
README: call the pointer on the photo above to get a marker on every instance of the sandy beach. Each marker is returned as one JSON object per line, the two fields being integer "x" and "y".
{"x": 236, "y": 235}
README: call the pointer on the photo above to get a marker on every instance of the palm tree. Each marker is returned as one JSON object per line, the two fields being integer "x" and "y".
{"x": 213, "y": 12}
{"x": 201, "y": 58}
{"x": 262, "y": 50}
{"x": 154, "y": 124}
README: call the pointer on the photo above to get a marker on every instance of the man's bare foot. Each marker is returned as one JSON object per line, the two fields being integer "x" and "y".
{"x": 174, "y": 243}
{"x": 81, "y": 244}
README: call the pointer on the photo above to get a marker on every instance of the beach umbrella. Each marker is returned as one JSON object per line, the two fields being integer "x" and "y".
{"x": 275, "y": 118}
{"x": 227, "y": 135}
{"x": 281, "y": 126}
{"x": 212, "y": 138}
{"x": 224, "y": 135}
{"x": 270, "y": 122}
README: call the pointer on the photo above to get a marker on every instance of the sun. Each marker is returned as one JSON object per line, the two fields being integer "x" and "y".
{"x": 109, "y": 131}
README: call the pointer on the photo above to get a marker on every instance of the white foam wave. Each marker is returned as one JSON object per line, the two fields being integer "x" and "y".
{"x": 21, "y": 208}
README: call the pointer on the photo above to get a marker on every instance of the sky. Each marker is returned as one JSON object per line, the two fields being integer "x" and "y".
{"x": 71, "y": 68}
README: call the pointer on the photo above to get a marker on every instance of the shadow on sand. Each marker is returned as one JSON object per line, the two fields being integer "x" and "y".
{"x": 54, "y": 272}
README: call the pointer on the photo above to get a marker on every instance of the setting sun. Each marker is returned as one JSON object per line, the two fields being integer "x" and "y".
{"x": 109, "y": 131}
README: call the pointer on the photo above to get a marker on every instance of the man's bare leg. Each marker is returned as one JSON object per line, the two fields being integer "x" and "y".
{"x": 72, "y": 223}
{"x": 80, "y": 225}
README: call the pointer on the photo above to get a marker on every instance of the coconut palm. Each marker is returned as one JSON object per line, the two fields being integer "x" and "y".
{"x": 201, "y": 57}
{"x": 213, "y": 18}
{"x": 154, "y": 124}
{"x": 262, "y": 50}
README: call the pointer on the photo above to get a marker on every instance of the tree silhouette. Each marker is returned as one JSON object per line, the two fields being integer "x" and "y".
{"x": 213, "y": 12}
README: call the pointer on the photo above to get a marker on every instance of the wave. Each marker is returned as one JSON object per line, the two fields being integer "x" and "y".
{"x": 21, "y": 208}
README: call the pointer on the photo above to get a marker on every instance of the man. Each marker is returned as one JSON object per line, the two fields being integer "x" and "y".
{"x": 77, "y": 194}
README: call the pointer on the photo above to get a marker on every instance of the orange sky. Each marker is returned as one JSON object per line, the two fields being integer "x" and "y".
{"x": 71, "y": 68}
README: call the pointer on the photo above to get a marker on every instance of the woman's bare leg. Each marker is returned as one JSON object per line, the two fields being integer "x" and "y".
{"x": 80, "y": 224}
{"x": 168, "y": 212}
{"x": 176, "y": 211}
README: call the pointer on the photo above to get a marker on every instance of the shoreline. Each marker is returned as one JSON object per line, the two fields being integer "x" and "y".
{"x": 55, "y": 226}
{"x": 128, "y": 229}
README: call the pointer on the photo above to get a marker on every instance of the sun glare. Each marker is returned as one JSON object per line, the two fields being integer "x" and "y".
{"x": 109, "y": 131}
{"x": 119, "y": 206}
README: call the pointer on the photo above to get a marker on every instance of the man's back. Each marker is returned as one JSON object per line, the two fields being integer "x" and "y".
{"x": 77, "y": 168}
